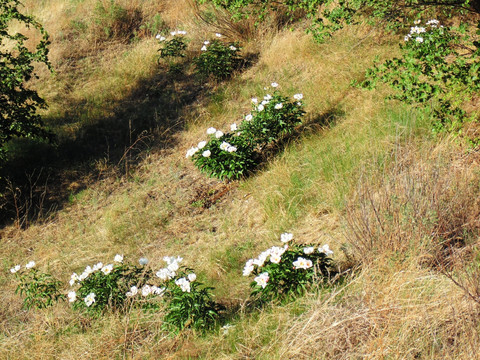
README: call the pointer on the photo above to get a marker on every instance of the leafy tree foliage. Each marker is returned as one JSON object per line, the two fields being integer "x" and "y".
{"x": 330, "y": 15}
{"x": 18, "y": 104}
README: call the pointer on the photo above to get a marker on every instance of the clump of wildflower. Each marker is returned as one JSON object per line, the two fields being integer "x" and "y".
{"x": 291, "y": 269}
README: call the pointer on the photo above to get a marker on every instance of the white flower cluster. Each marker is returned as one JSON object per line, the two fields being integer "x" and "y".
{"x": 170, "y": 271}
{"x": 161, "y": 38}
{"x": 227, "y": 147}
{"x": 416, "y": 31}
{"x": 275, "y": 253}
{"x": 17, "y": 268}
{"x": 75, "y": 278}
{"x": 146, "y": 290}
{"x": 178, "y": 32}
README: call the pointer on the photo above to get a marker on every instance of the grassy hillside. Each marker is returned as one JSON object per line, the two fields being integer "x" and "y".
{"x": 365, "y": 175}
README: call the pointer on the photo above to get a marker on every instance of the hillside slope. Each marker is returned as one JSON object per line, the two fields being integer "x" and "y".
{"x": 364, "y": 175}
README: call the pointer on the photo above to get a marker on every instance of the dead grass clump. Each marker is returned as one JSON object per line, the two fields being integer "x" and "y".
{"x": 423, "y": 202}
{"x": 395, "y": 312}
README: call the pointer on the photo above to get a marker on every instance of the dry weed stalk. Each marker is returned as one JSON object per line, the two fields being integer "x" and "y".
{"x": 416, "y": 205}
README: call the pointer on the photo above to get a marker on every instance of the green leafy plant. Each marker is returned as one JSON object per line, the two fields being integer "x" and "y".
{"x": 217, "y": 59}
{"x": 175, "y": 47}
{"x": 39, "y": 289}
{"x": 18, "y": 103}
{"x": 328, "y": 16}
{"x": 272, "y": 118}
{"x": 189, "y": 304}
{"x": 438, "y": 68}
{"x": 284, "y": 273}
{"x": 232, "y": 155}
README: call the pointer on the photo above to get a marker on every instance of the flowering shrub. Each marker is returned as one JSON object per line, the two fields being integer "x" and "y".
{"x": 231, "y": 155}
{"x": 218, "y": 59}
{"x": 175, "y": 47}
{"x": 439, "y": 66}
{"x": 228, "y": 156}
{"x": 40, "y": 289}
{"x": 272, "y": 118}
{"x": 101, "y": 286}
{"x": 190, "y": 304}
{"x": 287, "y": 271}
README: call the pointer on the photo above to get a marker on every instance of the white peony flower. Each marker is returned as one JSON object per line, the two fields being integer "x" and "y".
{"x": 248, "y": 117}
{"x": 231, "y": 149}
{"x": 233, "y": 127}
{"x": 286, "y": 237}
{"x": 224, "y": 146}
{"x": 255, "y": 100}
{"x": 133, "y": 291}
{"x": 260, "y": 107}
{"x": 218, "y": 35}
{"x": 107, "y": 269}
{"x": 97, "y": 266}
{"x": 173, "y": 266}
{"x": 206, "y": 42}
{"x": 275, "y": 258}
{"x": 204, "y": 48}
{"x": 146, "y": 290}
{"x": 165, "y": 274}
{"x": 274, "y": 84}
{"x": 278, "y": 106}
{"x": 72, "y": 296}
{"x": 308, "y": 250}
{"x": 233, "y": 48}
{"x": 206, "y": 153}
{"x": 325, "y": 249}
{"x": 298, "y": 97}
{"x": 173, "y": 33}
{"x": 302, "y": 263}
{"x": 247, "y": 270}
{"x": 184, "y": 284}
{"x": 192, "y": 151}
{"x": 30, "y": 265}
{"x": 262, "y": 279}
{"x": 143, "y": 261}
{"x": 218, "y": 134}
{"x": 201, "y": 144}
{"x": 192, "y": 277}
{"x": 89, "y": 299}
{"x": 158, "y": 291}
{"x": 15, "y": 269}
{"x": 419, "y": 39}
{"x": 267, "y": 97}
{"x": 74, "y": 278}
{"x": 118, "y": 258}
{"x": 211, "y": 130}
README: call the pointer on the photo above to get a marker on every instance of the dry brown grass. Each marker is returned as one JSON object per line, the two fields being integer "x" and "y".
{"x": 392, "y": 308}
{"x": 389, "y": 310}
{"x": 420, "y": 205}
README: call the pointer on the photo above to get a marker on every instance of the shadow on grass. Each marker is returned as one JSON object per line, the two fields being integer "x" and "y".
{"x": 39, "y": 178}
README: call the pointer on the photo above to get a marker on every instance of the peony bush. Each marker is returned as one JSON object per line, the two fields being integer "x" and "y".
{"x": 286, "y": 272}
{"x": 234, "y": 154}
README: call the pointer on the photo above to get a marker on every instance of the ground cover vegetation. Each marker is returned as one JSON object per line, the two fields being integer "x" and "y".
{"x": 310, "y": 157}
